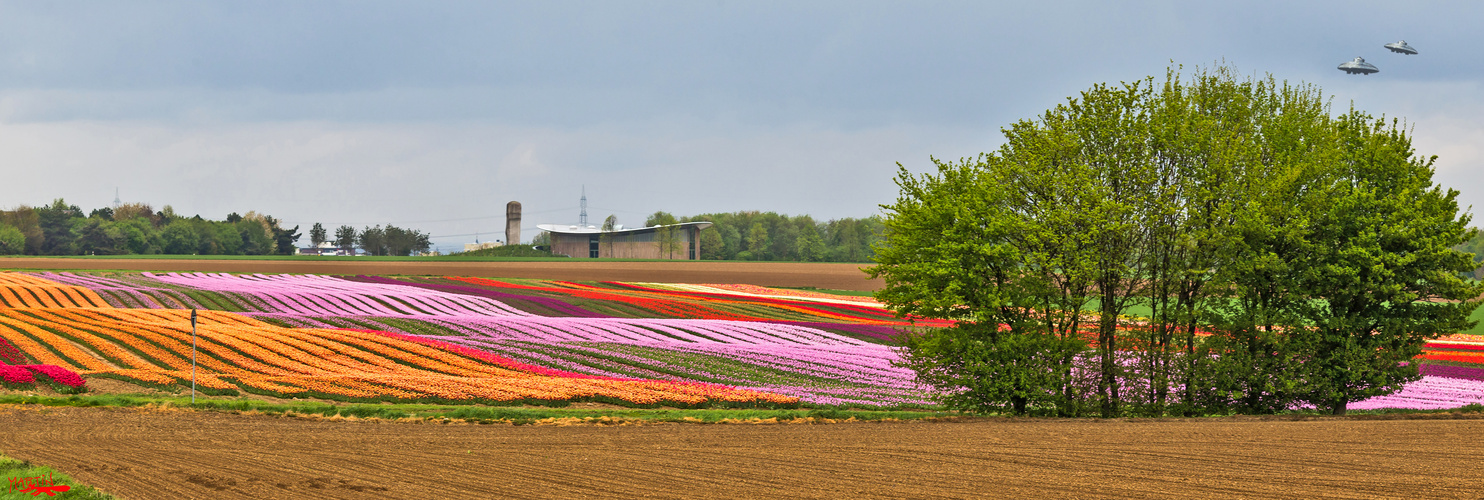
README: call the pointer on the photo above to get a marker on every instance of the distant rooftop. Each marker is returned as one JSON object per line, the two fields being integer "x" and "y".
{"x": 591, "y": 229}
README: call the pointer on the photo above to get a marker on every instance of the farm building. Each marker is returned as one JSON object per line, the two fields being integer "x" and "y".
{"x": 675, "y": 241}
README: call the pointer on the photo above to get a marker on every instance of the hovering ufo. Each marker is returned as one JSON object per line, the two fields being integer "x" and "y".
{"x": 1359, "y": 66}
{"x": 1401, "y": 47}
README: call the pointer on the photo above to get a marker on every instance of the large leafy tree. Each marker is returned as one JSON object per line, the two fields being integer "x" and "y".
{"x": 1316, "y": 249}
{"x": 952, "y": 254}
{"x": 1382, "y": 274}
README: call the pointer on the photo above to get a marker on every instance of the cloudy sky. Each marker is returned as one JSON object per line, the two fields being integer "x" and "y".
{"x": 433, "y": 115}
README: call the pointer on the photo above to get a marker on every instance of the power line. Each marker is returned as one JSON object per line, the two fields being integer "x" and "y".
{"x": 426, "y": 221}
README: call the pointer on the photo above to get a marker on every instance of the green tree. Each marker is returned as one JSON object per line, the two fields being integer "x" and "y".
{"x": 1317, "y": 250}
{"x": 345, "y": 237}
{"x": 56, "y": 227}
{"x": 26, "y": 220}
{"x": 606, "y": 238}
{"x": 180, "y": 238}
{"x": 950, "y": 254}
{"x": 1381, "y": 271}
{"x": 667, "y": 236}
{"x": 757, "y": 241}
{"x": 141, "y": 236}
{"x": 12, "y": 240}
{"x": 403, "y": 242}
{"x": 255, "y": 236}
{"x": 283, "y": 239}
{"x": 784, "y": 243}
{"x": 318, "y": 235}
{"x": 660, "y": 218}
{"x": 98, "y": 236}
{"x": 811, "y": 246}
{"x": 373, "y": 240}
{"x": 712, "y": 246}
{"x": 731, "y": 241}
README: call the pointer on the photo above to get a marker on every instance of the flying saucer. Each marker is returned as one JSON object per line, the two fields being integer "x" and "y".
{"x": 1401, "y": 47}
{"x": 1359, "y": 66}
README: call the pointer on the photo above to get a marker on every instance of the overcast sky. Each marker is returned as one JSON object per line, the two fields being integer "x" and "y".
{"x": 433, "y": 115}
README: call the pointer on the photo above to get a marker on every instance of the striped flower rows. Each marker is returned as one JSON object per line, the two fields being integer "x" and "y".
{"x": 17, "y": 290}
{"x": 238, "y": 353}
{"x": 817, "y": 348}
{"x": 151, "y": 347}
{"x": 813, "y": 364}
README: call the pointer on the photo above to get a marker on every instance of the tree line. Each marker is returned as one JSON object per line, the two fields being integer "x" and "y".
{"x": 1273, "y": 255}
{"x": 136, "y": 228}
{"x": 375, "y": 240}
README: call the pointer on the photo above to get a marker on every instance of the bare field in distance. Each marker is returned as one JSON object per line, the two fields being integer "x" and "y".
{"x": 777, "y": 274}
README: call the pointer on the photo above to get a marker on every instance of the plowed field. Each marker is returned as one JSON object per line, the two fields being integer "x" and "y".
{"x": 783, "y": 274}
{"x": 139, "y": 453}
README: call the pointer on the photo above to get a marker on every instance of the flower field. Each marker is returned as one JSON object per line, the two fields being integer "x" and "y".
{"x": 501, "y": 341}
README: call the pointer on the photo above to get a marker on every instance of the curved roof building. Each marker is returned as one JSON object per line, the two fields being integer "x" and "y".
{"x": 675, "y": 241}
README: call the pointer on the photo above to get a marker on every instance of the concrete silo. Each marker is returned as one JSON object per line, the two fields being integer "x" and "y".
{"x": 512, "y": 223}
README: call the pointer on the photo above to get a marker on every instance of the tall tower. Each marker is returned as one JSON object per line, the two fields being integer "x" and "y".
{"x": 512, "y": 223}
{"x": 582, "y": 219}
{"x": 116, "y": 200}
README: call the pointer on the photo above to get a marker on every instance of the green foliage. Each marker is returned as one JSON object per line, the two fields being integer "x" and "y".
{"x": 345, "y": 237}
{"x": 1382, "y": 264}
{"x": 317, "y": 235}
{"x": 18, "y": 472}
{"x": 12, "y": 240}
{"x": 981, "y": 370}
{"x": 659, "y": 219}
{"x": 667, "y": 235}
{"x": 769, "y": 236}
{"x": 392, "y": 240}
{"x": 1317, "y": 249}
{"x": 1475, "y": 246}
{"x": 605, "y": 239}
{"x": 136, "y": 229}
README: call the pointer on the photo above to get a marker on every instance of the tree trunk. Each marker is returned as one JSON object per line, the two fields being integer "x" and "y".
{"x": 1107, "y": 340}
{"x": 1339, "y": 408}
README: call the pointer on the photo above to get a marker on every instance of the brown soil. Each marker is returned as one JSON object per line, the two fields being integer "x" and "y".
{"x": 784, "y": 274}
{"x": 153, "y": 453}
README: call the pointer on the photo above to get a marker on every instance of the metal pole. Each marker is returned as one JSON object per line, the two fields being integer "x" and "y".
{"x": 193, "y": 356}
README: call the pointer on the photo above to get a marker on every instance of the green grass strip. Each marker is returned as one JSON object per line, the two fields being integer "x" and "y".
{"x": 479, "y": 414}
{"x": 18, "y": 474}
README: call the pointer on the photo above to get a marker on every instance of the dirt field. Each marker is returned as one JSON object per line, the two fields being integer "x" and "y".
{"x": 786, "y": 274}
{"x": 138, "y": 453}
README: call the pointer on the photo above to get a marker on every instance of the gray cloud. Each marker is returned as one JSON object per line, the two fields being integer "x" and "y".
{"x": 380, "y": 111}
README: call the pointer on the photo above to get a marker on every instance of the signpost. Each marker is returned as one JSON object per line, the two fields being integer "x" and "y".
{"x": 193, "y": 356}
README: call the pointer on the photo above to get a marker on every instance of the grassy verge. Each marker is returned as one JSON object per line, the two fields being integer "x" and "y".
{"x": 831, "y": 291}
{"x": 478, "y": 414}
{"x": 17, "y": 474}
